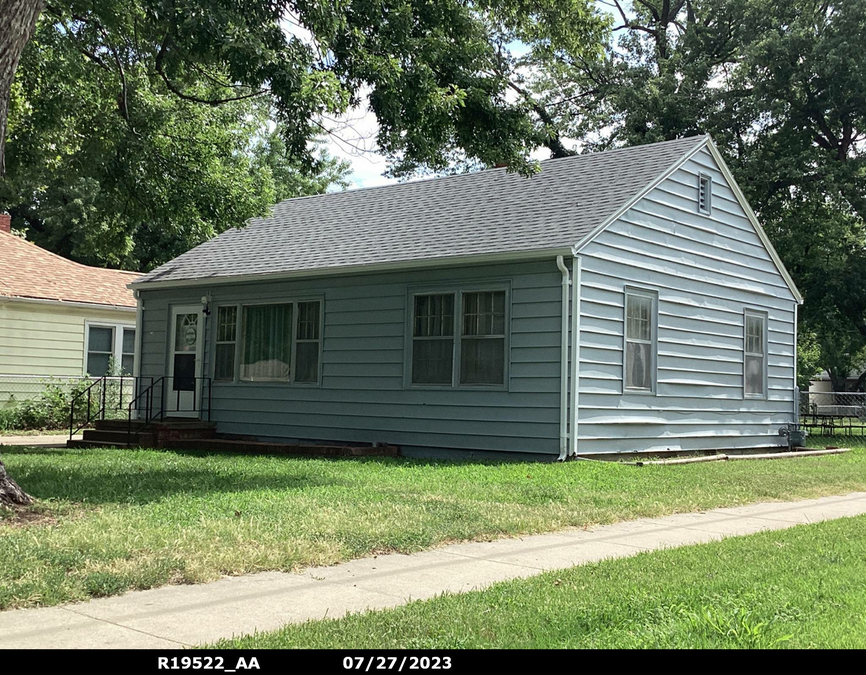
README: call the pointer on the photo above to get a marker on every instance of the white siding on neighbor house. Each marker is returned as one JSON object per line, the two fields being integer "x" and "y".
{"x": 40, "y": 340}
{"x": 707, "y": 270}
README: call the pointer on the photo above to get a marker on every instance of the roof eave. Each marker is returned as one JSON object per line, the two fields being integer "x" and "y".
{"x": 67, "y": 303}
{"x": 455, "y": 261}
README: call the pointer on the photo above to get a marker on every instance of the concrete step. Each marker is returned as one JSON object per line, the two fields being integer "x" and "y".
{"x": 307, "y": 450}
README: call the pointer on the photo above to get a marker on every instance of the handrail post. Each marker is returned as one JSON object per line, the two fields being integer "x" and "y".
{"x": 104, "y": 385}
{"x": 71, "y": 416}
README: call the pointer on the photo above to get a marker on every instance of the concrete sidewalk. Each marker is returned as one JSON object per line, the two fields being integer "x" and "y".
{"x": 178, "y": 616}
{"x": 41, "y": 441}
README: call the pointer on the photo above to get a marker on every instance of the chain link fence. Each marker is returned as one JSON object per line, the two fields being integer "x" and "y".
{"x": 44, "y": 402}
{"x": 837, "y": 417}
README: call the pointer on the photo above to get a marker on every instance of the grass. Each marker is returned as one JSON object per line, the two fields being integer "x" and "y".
{"x": 112, "y": 520}
{"x": 800, "y": 588}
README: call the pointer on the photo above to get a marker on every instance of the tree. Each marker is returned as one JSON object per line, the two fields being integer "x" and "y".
{"x": 10, "y": 493}
{"x": 136, "y": 189}
{"x": 437, "y": 73}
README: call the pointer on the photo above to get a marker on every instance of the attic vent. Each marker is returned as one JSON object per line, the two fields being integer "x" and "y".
{"x": 705, "y": 192}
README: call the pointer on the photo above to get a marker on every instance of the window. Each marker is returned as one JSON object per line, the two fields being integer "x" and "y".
{"x": 279, "y": 342}
{"x": 640, "y": 337}
{"x": 705, "y": 193}
{"x": 480, "y": 341}
{"x": 433, "y": 339}
{"x": 482, "y": 346}
{"x": 226, "y": 342}
{"x": 110, "y": 349}
{"x": 754, "y": 355}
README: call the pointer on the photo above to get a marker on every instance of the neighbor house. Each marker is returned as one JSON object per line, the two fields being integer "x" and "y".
{"x": 59, "y": 319}
{"x": 623, "y": 301}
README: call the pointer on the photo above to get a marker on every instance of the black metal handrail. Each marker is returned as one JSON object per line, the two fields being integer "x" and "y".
{"x": 102, "y": 400}
{"x": 190, "y": 384}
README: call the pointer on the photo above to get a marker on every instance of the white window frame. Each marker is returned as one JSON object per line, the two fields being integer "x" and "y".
{"x": 236, "y": 342}
{"x": 240, "y": 341}
{"x": 707, "y": 207}
{"x": 458, "y": 293}
{"x": 117, "y": 346}
{"x": 765, "y": 322}
{"x": 653, "y": 342}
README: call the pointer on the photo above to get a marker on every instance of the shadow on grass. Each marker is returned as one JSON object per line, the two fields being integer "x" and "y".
{"x": 74, "y": 475}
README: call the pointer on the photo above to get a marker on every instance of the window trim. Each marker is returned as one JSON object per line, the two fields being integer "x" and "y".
{"x": 458, "y": 292}
{"x": 236, "y": 342}
{"x": 654, "y": 341}
{"x": 708, "y": 209}
{"x": 240, "y": 338}
{"x": 765, "y": 320}
{"x": 117, "y": 347}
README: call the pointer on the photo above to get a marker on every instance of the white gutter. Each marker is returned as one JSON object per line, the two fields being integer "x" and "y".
{"x": 563, "y": 374}
{"x": 577, "y": 267}
{"x": 66, "y": 303}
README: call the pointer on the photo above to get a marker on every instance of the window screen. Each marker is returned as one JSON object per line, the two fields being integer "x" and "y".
{"x": 100, "y": 350}
{"x": 433, "y": 339}
{"x": 226, "y": 343}
{"x": 754, "y": 358}
{"x": 482, "y": 345}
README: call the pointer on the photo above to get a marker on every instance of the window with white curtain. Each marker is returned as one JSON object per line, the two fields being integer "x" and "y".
{"x": 755, "y": 354}
{"x": 459, "y": 338}
{"x": 279, "y": 342}
{"x": 640, "y": 341}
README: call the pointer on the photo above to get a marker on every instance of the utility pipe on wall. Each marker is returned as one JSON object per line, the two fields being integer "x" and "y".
{"x": 563, "y": 373}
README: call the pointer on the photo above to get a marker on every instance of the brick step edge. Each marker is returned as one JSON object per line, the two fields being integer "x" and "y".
{"x": 281, "y": 448}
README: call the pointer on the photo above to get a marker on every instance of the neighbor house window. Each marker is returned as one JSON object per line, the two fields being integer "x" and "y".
{"x": 110, "y": 349}
{"x": 640, "y": 339}
{"x": 279, "y": 342}
{"x": 478, "y": 336}
{"x": 226, "y": 343}
{"x": 705, "y": 193}
{"x": 755, "y": 355}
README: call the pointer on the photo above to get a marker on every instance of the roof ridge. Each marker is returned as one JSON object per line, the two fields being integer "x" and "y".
{"x": 488, "y": 170}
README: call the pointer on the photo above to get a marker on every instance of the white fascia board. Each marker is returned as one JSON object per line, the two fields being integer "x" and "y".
{"x": 66, "y": 303}
{"x": 457, "y": 261}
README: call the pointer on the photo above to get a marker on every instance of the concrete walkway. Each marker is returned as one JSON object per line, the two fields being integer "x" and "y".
{"x": 178, "y": 616}
{"x": 41, "y": 441}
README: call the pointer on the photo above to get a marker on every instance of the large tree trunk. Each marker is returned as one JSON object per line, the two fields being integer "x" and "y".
{"x": 17, "y": 21}
{"x": 10, "y": 493}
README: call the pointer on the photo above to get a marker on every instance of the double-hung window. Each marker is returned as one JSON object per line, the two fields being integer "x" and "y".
{"x": 754, "y": 354}
{"x": 110, "y": 349}
{"x": 459, "y": 338}
{"x": 639, "y": 360}
{"x": 278, "y": 342}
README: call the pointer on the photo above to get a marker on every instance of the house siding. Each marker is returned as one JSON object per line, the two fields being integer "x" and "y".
{"x": 44, "y": 340}
{"x": 706, "y": 269}
{"x": 363, "y": 396}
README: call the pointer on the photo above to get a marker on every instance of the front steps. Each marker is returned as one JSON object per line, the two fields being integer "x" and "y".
{"x": 196, "y": 435}
{"x": 120, "y": 434}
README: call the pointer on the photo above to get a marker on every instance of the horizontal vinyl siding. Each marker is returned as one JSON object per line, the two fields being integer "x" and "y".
{"x": 362, "y": 397}
{"x": 706, "y": 270}
{"x": 44, "y": 340}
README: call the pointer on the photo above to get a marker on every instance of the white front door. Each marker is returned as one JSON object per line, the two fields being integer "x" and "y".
{"x": 183, "y": 387}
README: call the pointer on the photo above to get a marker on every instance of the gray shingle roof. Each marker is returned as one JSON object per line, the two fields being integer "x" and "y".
{"x": 487, "y": 212}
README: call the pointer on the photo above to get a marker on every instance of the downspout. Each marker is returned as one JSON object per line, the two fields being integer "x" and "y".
{"x": 136, "y": 359}
{"x": 563, "y": 373}
{"x": 796, "y": 386}
{"x": 577, "y": 267}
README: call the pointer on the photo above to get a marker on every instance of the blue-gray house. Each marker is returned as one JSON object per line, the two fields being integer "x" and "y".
{"x": 623, "y": 301}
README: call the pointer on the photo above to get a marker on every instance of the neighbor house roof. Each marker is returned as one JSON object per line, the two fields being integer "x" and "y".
{"x": 30, "y": 272}
{"x": 484, "y": 213}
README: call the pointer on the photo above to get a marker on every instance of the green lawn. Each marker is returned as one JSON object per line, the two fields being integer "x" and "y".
{"x": 113, "y": 520}
{"x": 804, "y": 587}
